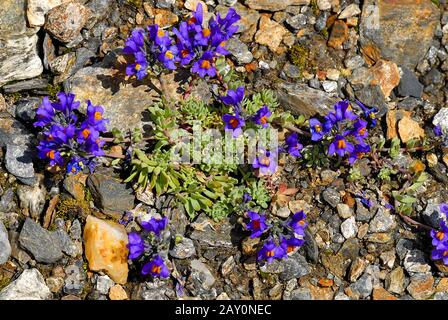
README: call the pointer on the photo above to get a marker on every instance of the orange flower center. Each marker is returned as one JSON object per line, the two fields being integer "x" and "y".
{"x": 301, "y": 222}
{"x": 206, "y": 32}
{"x": 160, "y": 33}
{"x": 263, "y": 120}
{"x": 169, "y": 54}
{"x": 138, "y": 67}
{"x": 205, "y": 64}
{"x": 440, "y": 235}
{"x": 156, "y": 269}
{"x": 222, "y": 44}
{"x": 317, "y": 128}
{"x": 445, "y": 253}
{"x": 256, "y": 224}
{"x": 270, "y": 253}
{"x": 265, "y": 161}
{"x": 362, "y": 131}
{"x": 85, "y": 133}
{"x": 359, "y": 155}
{"x": 341, "y": 144}
{"x": 192, "y": 20}
{"x": 290, "y": 249}
{"x": 50, "y": 154}
{"x": 50, "y": 137}
{"x": 184, "y": 53}
{"x": 98, "y": 115}
{"x": 234, "y": 122}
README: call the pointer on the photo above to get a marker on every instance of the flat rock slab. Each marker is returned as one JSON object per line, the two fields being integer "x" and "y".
{"x": 29, "y": 286}
{"x": 43, "y": 244}
{"x": 274, "y": 5}
{"x": 18, "y": 52}
{"x": 125, "y": 101}
{"x": 5, "y": 246}
{"x": 301, "y": 99}
{"x": 401, "y": 29}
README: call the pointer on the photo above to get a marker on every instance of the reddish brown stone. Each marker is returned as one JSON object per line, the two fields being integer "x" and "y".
{"x": 382, "y": 294}
{"x": 339, "y": 34}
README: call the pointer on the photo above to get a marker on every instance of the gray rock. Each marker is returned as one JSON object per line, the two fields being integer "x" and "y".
{"x": 350, "y": 11}
{"x": 26, "y": 109}
{"x": 222, "y": 236}
{"x": 74, "y": 279}
{"x": 301, "y": 294}
{"x": 103, "y": 284}
{"x": 37, "y": 9}
{"x": 65, "y": 22}
{"x": 183, "y": 248}
{"x": 331, "y": 196}
{"x": 5, "y": 246}
{"x": 330, "y": 86}
{"x": 409, "y": 84}
{"x": 274, "y": 5}
{"x": 395, "y": 281}
{"x": 29, "y": 286}
{"x": 441, "y": 296}
{"x": 354, "y": 62}
{"x": 433, "y": 77}
{"x": 240, "y": 51}
{"x": 166, "y": 4}
{"x": 415, "y": 262}
{"x": 432, "y": 214}
{"x": 67, "y": 245}
{"x": 26, "y": 85}
{"x": 19, "y": 44}
{"x": 109, "y": 194}
{"x": 403, "y": 31}
{"x": 410, "y": 103}
{"x": 99, "y": 10}
{"x": 18, "y": 161}
{"x": 7, "y": 203}
{"x": 363, "y": 286}
{"x": 44, "y": 245}
{"x": 344, "y": 210}
{"x": 32, "y": 199}
{"x": 321, "y": 21}
{"x": 311, "y": 248}
{"x": 403, "y": 246}
{"x": 297, "y": 22}
{"x": 202, "y": 274}
{"x": 291, "y": 71}
{"x": 349, "y": 228}
{"x": 300, "y": 99}
{"x": 372, "y": 95}
{"x": 75, "y": 230}
{"x": 295, "y": 266}
{"x": 382, "y": 222}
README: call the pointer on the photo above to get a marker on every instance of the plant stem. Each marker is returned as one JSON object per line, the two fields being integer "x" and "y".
{"x": 295, "y": 129}
{"x": 414, "y": 223}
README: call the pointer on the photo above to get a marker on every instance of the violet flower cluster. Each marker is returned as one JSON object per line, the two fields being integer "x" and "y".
{"x": 69, "y": 138}
{"x": 266, "y": 160}
{"x": 440, "y": 239}
{"x": 193, "y": 44}
{"x": 143, "y": 247}
{"x": 282, "y": 240}
{"x": 345, "y": 129}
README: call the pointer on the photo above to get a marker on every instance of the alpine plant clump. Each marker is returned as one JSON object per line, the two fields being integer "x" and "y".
{"x": 69, "y": 138}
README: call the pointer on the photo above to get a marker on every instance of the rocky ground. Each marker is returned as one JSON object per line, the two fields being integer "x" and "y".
{"x": 388, "y": 54}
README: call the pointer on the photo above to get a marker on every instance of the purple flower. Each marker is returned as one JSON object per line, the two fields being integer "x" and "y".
{"x": 340, "y": 146}
{"x": 360, "y": 129}
{"x": 75, "y": 165}
{"x": 257, "y": 224}
{"x": 261, "y": 117}
{"x": 135, "y": 43}
{"x": 246, "y": 197}
{"x": 159, "y": 37}
{"x": 47, "y": 150}
{"x": 227, "y": 24}
{"x": 441, "y": 253}
{"x": 205, "y": 65}
{"x": 317, "y": 129}
{"x": 270, "y": 251}
{"x": 44, "y": 113}
{"x": 168, "y": 57}
{"x": 139, "y": 67}
{"x": 155, "y": 225}
{"x": 369, "y": 113}
{"x": 437, "y": 131}
{"x": 444, "y": 208}
{"x": 440, "y": 237}
{"x": 297, "y": 222}
{"x": 344, "y": 111}
{"x": 95, "y": 116}
{"x": 203, "y": 35}
{"x": 156, "y": 267}
{"x": 289, "y": 245}
{"x": 233, "y": 122}
{"x": 136, "y": 245}
{"x": 234, "y": 97}
{"x": 265, "y": 162}
{"x": 197, "y": 17}
{"x": 358, "y": 152}
{"x": 294, "y": 145}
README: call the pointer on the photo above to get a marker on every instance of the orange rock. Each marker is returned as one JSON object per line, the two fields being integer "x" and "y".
{"x": 443, "y": 285}
{"x": 270, "y": 33}
{"x": 387, "y": 75}
{"x": 339, "y": 34}
{"x": 324, "y": 282}
{"x": 105, "y": 248}
{"x": 370, "y": 53}
{"x": 392, "y": 119}
{"x": 117, "y": 293}
{"x": 409, "y": 129}
{"x": 164, "y": 18}
{"x": 382, "y": 294}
